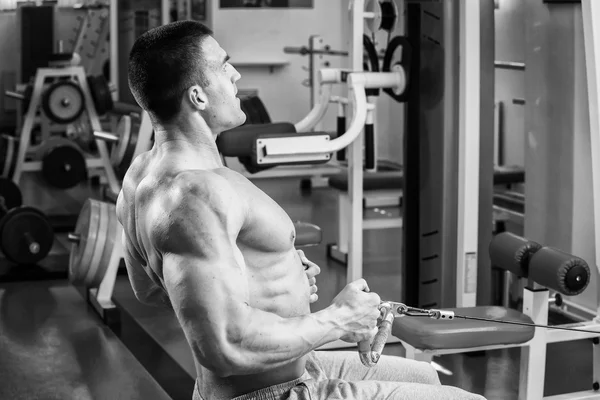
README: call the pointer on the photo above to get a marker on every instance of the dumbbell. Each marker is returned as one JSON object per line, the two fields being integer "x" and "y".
{"x": 26, "y": 236}
{"x": 63, "y": 162}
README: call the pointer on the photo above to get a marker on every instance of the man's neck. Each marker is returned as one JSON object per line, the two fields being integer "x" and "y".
{"x": 191, "y": 134}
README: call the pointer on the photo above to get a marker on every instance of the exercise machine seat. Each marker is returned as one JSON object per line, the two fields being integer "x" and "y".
{"x": 383, "y": 180}
{"x": 307, "y": 234}
{"x": 507, "y": 175}
{"x": 239, "y": 142}
{"x": 430, "y": 334}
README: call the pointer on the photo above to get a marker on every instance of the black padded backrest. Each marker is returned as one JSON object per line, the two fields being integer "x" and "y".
{"x": 255, "y": 110}
{"x": 239, "y": 142}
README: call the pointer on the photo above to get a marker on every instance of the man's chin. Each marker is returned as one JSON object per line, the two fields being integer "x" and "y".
{"x": 234, "y": 124}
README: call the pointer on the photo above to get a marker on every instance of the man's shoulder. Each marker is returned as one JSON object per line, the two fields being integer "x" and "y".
{"x": 212, "y": 186}
{"x": 193, "y": 204}
{"x": 192, "y": 193}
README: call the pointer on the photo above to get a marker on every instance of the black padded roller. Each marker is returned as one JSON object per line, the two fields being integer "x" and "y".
{"x": 369, "y": 147}
{"x": 341, "y": 129}
{"x": 512, "y": 253}
{"x": 560, "y": 271}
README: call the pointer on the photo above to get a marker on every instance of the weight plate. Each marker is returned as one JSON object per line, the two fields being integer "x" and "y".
{"x": 10, "y": 195}
{"x": 100, "y": 92}
{"x": 131, "y": 148}
{"x": 86, "y": 229}
{"x": 50, "y": 143}
{"x": 109, "y": 245}
{"x": 124, "y": 132}
{"x": 26, "y": 236}
{"x": 93, "y": 269}
{"x": 27, "y": 97}
{"x": 9, "y": 149}
{"x": 63, "y": 102}
{"x": 399, "y": 53}
{"x": 389, "y": 15}
{"x": 63, "y": 164}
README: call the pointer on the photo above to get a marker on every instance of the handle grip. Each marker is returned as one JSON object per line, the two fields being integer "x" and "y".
{"x": 370, "y": 353}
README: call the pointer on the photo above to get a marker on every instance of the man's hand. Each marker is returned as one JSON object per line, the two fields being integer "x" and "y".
{"x": 357, "y": 311}
{"x": 312, "y": 270}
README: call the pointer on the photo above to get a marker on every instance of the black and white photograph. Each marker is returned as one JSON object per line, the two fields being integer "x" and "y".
{"x": 313, "y": 200}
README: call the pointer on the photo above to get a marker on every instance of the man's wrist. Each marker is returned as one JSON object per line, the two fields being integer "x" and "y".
{"x": 327, "y": 317}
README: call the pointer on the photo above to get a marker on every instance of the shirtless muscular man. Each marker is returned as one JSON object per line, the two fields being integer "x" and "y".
{"x": 202, "y": 239}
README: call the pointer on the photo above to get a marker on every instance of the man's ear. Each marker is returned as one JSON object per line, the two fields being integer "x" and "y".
{"x": 197, "y": 97}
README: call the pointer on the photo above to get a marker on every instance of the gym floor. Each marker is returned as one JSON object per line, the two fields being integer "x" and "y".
{"x": 53, "y": 346}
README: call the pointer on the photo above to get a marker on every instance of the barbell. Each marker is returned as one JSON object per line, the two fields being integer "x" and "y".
{"x": 100, "y": 91}
{"x": 26, "y": 236}
{"x": 124, "y": 143}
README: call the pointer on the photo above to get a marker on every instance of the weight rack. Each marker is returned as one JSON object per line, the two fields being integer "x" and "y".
{"x": 101, "y": 161}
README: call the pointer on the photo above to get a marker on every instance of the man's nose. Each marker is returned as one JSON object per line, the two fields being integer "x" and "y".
{"x": 236, "y": 76}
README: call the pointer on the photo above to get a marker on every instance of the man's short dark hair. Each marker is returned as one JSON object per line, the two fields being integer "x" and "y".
{"x": 163, "y": 63}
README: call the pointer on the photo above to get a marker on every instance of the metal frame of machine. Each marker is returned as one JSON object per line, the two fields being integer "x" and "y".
{"x": 440, "y": 204}
{"x": 536, "y": 301}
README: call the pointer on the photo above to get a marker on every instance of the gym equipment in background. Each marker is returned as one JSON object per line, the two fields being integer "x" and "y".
{"x": 380, "y": 15}
{"x": 382, "y": 202}
{"x": 63, "y": 162}
{"x": 547, "y": 269}
{"x": 26, "y": 236}
{"x": 62, "y": 101}
{"x": 90, "y": 39}
{"x": 441, "y": 163}
{"x": 126, "y": 143}
{"x": 258, "y": 115}
{"x": 316, "y": 48}
{"x": 8, "y": 155}
{"x": 284, "y": 144}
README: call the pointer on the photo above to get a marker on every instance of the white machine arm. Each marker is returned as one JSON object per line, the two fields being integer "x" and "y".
{"x": 278, "y": 150}
{"x": 327, "y": 77}
{"x": 317, "y": 113}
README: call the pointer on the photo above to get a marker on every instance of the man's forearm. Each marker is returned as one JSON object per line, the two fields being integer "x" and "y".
{"x": 268, "y": 341}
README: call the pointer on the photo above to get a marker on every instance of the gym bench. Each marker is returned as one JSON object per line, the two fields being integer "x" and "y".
{"x": 545, "y": 268}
